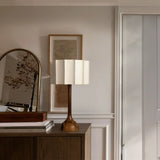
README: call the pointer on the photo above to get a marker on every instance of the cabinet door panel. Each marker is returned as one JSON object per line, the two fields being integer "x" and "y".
{"x": 59, "y": 148}
{"x": 16, "y": 148}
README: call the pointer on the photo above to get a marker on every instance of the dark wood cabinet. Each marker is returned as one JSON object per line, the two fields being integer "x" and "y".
{"x": 68, "y": 148}
{"x": 16, "y": 148}
{"x": 54, "y": 145}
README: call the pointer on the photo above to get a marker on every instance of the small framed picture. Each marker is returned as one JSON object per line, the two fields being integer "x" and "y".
{"x": 61, "y": 46}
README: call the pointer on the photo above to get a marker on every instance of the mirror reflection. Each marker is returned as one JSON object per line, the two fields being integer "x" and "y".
{"x": 19, "y": 81}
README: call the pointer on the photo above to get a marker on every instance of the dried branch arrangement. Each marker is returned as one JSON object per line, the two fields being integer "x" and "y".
{"x": 26, "y": 68}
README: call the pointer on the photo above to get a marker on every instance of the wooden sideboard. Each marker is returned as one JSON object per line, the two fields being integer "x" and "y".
{"x": 53, "y": 145}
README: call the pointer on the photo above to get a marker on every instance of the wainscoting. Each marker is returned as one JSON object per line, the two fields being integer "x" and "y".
{"x": 158, "y": 142}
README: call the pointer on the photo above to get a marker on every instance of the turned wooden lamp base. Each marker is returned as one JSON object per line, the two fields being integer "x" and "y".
{"x": 69, "y": 125}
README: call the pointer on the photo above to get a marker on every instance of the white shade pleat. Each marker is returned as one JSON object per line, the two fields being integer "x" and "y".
{"x": 74, "y": 72}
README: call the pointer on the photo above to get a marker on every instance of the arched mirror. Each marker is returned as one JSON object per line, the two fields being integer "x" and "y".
{"x": 19, "y": 81}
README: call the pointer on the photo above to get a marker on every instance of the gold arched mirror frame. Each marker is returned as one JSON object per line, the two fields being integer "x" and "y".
{"x": 14, "y": 51}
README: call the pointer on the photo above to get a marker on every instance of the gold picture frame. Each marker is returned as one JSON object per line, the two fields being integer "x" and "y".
{"x": 61, "y": 46}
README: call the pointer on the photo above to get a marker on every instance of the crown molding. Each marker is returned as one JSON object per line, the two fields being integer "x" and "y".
{"x": 138, "y": 3}
{"x": 139, "y": 10}
{"x": 134, "y": 3}
{"x": 58, "y": 3}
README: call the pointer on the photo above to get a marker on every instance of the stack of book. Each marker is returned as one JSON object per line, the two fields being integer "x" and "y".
{"x": 18, "y": 127}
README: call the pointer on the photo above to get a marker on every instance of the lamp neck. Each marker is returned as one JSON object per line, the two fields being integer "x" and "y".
{"x": 69, "y": 100}
{"x": 69, "y": 124}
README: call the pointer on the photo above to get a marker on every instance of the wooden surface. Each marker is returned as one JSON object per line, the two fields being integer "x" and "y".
{"x": 59, "y": 148}
{"x": 69, "y": 125}
{"x": 55, "y": 144}
{"x": 55, "y": 131}
{"x": 87, "y": 142}
{"x": 23, "y": 116}
{"x": 17, "y": 148}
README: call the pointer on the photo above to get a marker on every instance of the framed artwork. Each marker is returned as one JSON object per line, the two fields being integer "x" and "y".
{"x": 61, "y": 46}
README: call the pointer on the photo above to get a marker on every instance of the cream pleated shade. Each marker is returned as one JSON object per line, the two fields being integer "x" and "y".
{"x": 75, "y": 72}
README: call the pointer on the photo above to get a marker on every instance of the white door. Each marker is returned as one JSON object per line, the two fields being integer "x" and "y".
{"x": 141, "y": 86}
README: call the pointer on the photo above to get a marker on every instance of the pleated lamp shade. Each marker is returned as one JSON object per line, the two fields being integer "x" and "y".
{"x": 74, "y": 72}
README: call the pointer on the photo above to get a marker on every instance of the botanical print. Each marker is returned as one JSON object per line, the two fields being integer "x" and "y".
{"x": 65, "y": 49}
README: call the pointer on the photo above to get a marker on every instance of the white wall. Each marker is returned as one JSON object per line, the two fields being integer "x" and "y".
{"x": 28, "y": 27}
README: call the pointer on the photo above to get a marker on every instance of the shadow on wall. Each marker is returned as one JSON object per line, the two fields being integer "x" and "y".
{"x": 45, "y": 80}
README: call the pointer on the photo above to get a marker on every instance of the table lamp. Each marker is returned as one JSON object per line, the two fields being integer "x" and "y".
{"x": 71, "y": 72}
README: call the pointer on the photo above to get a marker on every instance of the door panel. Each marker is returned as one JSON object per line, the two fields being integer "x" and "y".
{"x": 132, "y": 87}
{"x": 149, "y": 87}
{"x": 141, "y": 64}
{"x": 17, "y": 148}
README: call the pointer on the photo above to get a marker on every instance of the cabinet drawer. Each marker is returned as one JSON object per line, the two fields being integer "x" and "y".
{"x": 16, "y": 148}
{"x": 59, "y": 148}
